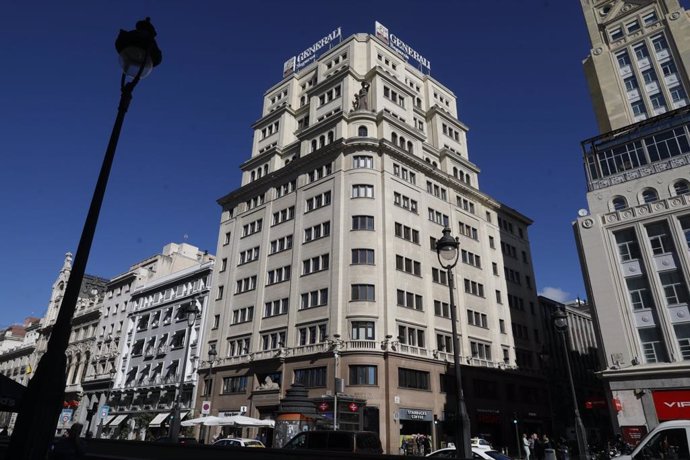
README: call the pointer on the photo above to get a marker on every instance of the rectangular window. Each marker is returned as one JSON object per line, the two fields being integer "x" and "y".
{"x": 226, "y": 238}
{"x": 441, "y": 309}
{"x": 309, "y": 335}
{"x": 616, "y": 34}
{"x": 444, "y": 342}
{"x": 410, "y": 300}
{"x": 283, "y": 215}
{"x": 223, "y": 264}
{"x": 312, "y": 377}
{"x": 272, "y": 340}
{"x": 286, "y": 188}
{"x": 408, "y": 265}
{"x": 363, "y": 293}
{"x": 628, "y": 248}
{"x": 407, "y": 233}
{"x": 674, "y": 287}
{"x": 281, "y": 244}
{"x": 474, "y": 288}
{"x": 362, "y": 222}
{"x": 480, "y": 350}
{"x": 438, "y": 217}
{"x": 404, "y": 173}
{"x": 412, "y": 336}
{"x": 363, "y": 257}
{"x": 470, "y": 258}
{"x": 362, "y": 330}
{"x": 362, "y": 161}
{"x": 276, "y": 307}
{"x": 478, "y": 319}
{"x": 315, "y": 264}
{"x": 238, "y": 346}
{"x": 316, "y": 232}
{"x": 249, "y": 255}
{"x": 468, "y": 231}
{"x": 314, "y": 299}
{"x": 320, "y": 172}
{"x": 411, "y": 378}
{"x": 362, "y": 191}
{"x": 242, "y": 315}
{"x": 278, "y": 275}
{"x": 245, "y": 284}
{"x": 439, "y": 276}
{"x": 363, "y": 375}
{"x": 252, "y": 228}
{"x": 234, "y": 384}
{"x": 318, "y": 201}
{"x": 220, "y": 292}
{"x": 405, "y": 202}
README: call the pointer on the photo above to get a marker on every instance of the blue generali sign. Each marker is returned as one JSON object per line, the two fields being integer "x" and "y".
{"x": 296, "y": 63}
{"x": 400, "y": 46}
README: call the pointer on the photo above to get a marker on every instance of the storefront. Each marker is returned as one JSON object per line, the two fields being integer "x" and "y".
{"x": 416, "y": 431}
{"x": 672, "y": 404}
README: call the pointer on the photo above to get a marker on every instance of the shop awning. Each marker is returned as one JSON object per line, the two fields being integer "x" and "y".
{"x": 158, "y": 419}
{"x": 108, "y": 419}
{"x": 119, "y": 419}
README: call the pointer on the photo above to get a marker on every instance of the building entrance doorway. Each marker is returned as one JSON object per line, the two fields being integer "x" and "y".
{"x": 416, "y": 431}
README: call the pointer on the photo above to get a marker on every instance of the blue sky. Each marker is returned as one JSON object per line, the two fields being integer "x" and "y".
{"x": 515, "y": 67}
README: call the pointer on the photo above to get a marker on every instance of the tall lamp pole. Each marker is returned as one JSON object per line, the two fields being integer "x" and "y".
{"x": 212, "y": 354}
{"x": 192, "y": 312}
{"x": 560, "y": 323}
{"x": 447, "y": 252}
{"x": 40, "y": 407}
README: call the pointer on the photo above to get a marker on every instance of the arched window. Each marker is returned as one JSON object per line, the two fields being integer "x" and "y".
{"x": 362, "y": 131}
{"x": 649, "y": 195}
{"x": 253, "y": 176}
{"x": 619, "y": 203}
{"x": 681, "y": 187}
{"x": 455, "y": 172}
{"x": 434, "y": 164}
{"x": 313, "y": 145}
{"x": 394, "y": 138}
{"x": 331, "y": 136}
{"x": 322, "y": 141}
{"x": 427, "y": 160}
{"x": 409, "y": 146}
{"x": 265, "y": 169}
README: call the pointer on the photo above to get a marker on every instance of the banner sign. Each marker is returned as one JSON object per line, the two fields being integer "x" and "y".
{"x": 416, "y": 414}
{"x": 296, "y": 63}
{"x": 400, "y": 46}
{"x": 672, "y": 405}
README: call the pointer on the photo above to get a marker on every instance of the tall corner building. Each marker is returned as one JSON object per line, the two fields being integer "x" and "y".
{"x": 634, "y": 244}
{"x": 326, "y": 267}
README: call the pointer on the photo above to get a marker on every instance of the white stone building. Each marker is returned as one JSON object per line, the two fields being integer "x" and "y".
{"x": 358, "y": 162}
{"x": 634, "y": 239}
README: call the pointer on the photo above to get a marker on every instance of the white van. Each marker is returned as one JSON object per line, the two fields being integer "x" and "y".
{"x": 668, "y": 441}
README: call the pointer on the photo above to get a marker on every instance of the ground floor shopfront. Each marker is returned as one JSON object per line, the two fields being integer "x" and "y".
{"x": 644, "y": 396}
{"x": 408, "y": 399}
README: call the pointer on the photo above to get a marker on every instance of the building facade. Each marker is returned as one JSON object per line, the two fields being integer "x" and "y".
{"x": 327, "y": 267}
{"x": 154, "y": 337}
{"x": 634, "y": 239}
{"x": 583, "y": 353}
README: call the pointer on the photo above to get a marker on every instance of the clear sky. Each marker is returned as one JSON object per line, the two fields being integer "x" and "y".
{"x": 515, "y": 67}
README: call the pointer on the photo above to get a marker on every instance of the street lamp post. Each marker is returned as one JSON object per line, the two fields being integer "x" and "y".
{"x": 447, "y": 252}
{"x": 560, "y": 323}
{"x": 212, "y": 355}
{"x": 192, "y": 312}
{"x": 40, "y": 407}
{"x": 336, "y": 343}
{"x": 111, "y": 373}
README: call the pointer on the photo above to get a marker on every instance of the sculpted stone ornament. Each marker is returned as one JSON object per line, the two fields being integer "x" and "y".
{"x": 361, "y": 101}
{"x": 268, "y": 384}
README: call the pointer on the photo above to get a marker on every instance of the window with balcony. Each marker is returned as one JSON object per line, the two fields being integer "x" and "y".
{"x": 640, "y": 297}
{"x": 362, "y": 330}
{"x": 413, "y": 336}
{"x": 649, "y": 195}
{"x": 653, "y": 347}
{"x": 628, "y": 247}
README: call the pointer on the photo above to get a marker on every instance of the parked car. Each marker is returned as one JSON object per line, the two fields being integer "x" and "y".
{"x": 238, "y": 442}
{"x": 477, "y": 454}
{"x": 480, "y": 443}
{"x": 359, "y": 442}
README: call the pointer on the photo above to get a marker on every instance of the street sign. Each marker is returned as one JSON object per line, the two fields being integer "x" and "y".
{"x": 353, "y": 407}
{"x": 105, "y": 410}
{"x": 323, "y": 407}
{"x": 205, "y": 407}
{"x": 66, "y": 416}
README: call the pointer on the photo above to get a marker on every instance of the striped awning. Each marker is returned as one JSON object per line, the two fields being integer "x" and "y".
{"x": 119, "y": 419}
{"x": 158, "y": 419}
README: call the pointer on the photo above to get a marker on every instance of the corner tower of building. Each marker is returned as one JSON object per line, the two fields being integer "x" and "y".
{"x": 639, "y": 63}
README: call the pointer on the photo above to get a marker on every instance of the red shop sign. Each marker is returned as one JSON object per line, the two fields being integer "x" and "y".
{"x": 353, "y": 407}
{"x": 323, "y": 407}
{"x": 672, "y": 405}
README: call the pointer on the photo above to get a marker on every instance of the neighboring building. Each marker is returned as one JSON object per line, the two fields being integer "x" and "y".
{"x": 145, "y": 306}
{"x": 17, "y": 344}
{"x": 584, "y": 360}
{"x": 327, "y": 249}
{"x": 634, "y": 244}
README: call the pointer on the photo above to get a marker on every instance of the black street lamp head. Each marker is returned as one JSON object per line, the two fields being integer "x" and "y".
{"x": 212, "y": 353}
{"x": 138, "y": 50}
{"x": 560, "y": 320}
{"x": 192, "y": 312}
{"x": 447, "y": 249}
